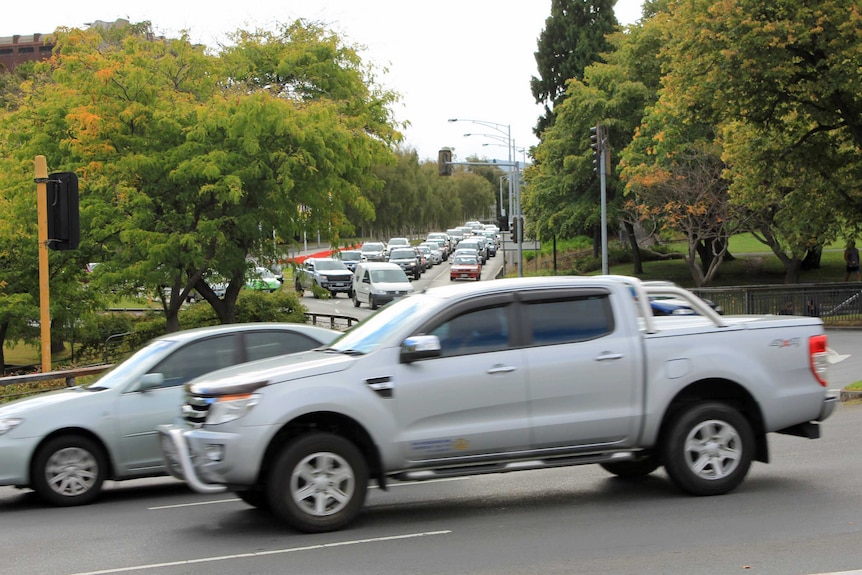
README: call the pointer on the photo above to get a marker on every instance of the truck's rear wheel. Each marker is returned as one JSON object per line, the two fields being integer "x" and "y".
{"x": 318, "y": 483}
{"x": 708, "y": 449}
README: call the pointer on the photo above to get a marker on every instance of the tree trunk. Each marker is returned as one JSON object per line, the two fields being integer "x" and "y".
{"x": 4, "y": 327}
{"x": 811, "y": 261}
{"x": 636, "y": 250}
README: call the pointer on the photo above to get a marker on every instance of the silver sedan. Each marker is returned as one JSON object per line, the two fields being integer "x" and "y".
{"x": 65, "y": 444}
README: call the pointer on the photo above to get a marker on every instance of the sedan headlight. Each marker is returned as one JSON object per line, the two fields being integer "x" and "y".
{"x": 230, "y": 407}
{"x": 9, "y": 424}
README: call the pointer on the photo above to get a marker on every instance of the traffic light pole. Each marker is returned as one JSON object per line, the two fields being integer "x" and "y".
{"x": 599, "y": 144}
{"x": 444, "y": 168}
{"x": 41, "y": 173}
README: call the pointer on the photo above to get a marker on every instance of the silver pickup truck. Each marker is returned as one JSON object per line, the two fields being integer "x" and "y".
{"x": 514, "y": 374}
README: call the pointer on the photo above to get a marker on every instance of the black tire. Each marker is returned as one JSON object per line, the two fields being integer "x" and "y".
{"x": 318, "y": 483}
{"x": 708, "y": 449}
{"x": 298, "y": 287}
{"x": 355, "y": 301}
{"x": 315, "y": 290}
{"x": 254, "y": 497}
{"x": 372, "y": 304}
{"x": 69, "y": 470}
{"x": 351, "y": 295}
{"x": 633, "y": 468}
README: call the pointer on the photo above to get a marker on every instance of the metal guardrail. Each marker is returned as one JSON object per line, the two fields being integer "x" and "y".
{"x": 835, "y": 303}
{"x": 67, "y": 375}
{"x": 339, "y": 322}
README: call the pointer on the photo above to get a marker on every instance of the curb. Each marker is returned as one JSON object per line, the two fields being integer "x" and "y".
{"x": 849, "y": 395}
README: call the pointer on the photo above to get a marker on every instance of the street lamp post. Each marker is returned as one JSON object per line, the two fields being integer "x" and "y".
{"x": 514, "y": 181}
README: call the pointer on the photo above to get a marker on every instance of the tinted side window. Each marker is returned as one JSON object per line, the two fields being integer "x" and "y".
{"x": 264, "y": 344}
{"x": 475, "y": 331}
{"x": 570, "y": 320}
{"x": 197, "y": 358}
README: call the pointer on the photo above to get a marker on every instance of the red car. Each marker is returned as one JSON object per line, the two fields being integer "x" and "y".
{"x": 465, "y": 268}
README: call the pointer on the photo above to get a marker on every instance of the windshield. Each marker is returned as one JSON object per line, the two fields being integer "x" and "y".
{"x": 465, "y": 260}
{"x": 402, "y": 254}
{"x": 351, "y": 256}
{"x": 372, "y": 247}
{"x": 264, "y": 273}
{"x": 370, "y": 333}
{"x": 143, "y": 359}
{"x": 329, "y": 265}
{"x": 390, "y": 276}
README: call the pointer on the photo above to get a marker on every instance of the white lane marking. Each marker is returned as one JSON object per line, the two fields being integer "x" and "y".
{"x": 265, "y": 553}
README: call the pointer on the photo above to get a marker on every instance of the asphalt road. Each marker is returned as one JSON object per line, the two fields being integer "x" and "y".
{"x": 799, "y": 515}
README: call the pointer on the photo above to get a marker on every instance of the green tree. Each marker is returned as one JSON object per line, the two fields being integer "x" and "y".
{"x": 781, "y": 83}
{"x": 562, "y": 198}
{"x": 574, "y": 37}
{"x": 190, "y": 163}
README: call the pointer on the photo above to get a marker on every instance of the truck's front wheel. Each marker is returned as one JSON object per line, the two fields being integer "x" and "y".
{"x": 318, "y": 483}
{"x": 708, "y": 449}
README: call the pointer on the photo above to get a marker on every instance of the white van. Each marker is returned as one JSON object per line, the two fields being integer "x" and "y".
{"x": 378, "y": 283}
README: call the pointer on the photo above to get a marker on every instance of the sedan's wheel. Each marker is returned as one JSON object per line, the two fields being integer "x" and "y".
{"x": 634, "y": 468}
{"x": 708, "y": 449}
{"x": 318, "y": 483}
{"x": 69, "y": 470}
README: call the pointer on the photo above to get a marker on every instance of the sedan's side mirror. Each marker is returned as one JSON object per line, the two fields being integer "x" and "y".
{"x": 152, "y": 381}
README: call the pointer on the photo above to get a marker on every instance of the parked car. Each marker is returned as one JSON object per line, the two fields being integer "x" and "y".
{"x": 262, "y": 279}
{"x": 350, "y": 258}
{"x": 64, "y": 444}
{"x": 373, "y": 251}
{"x": 406, "y": 259}
{"x": 465, "y": 267}
{"x": 675, "y": 305}
{"x": 378, "y": 283}
{"x": 444, "y": 241}
{"x": 433, "y": 253}
{"x": 324, "y": 273}
{"x": 396, "y": 243}
{"x": 477, "y": 243}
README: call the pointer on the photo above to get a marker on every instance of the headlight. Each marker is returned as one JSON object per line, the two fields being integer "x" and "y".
{"x": 231, "y": 407}
{"x": 9, "y": 424}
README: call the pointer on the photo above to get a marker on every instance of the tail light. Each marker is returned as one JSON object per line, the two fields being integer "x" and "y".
{"x": 818, "y": 357}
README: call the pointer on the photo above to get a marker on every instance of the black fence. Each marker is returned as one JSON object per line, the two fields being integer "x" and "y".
{"x": 836, "y": 303}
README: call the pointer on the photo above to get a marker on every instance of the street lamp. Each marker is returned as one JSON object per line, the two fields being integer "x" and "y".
{"x": 514, "y": 182}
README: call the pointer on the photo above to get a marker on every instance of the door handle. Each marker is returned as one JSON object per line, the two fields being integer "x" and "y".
{"x": 501, "y": 369}
{"x": 607, "y": 355}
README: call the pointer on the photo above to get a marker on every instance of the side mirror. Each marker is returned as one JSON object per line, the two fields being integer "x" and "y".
{"x": 152, "y": 381}
{"x": 419, "y": 347}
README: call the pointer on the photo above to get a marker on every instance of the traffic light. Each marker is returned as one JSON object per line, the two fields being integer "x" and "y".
{"x": 64, "y": 230}
{"x": 444, "y": 162}
{"x": 596, "y": 145}
{"x": 517, "y": 224}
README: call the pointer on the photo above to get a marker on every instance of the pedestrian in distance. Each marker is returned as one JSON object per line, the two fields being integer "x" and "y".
{"x": 851, "y": 258}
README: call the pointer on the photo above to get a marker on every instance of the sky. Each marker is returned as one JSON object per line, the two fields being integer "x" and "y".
{"x": 465, "y": 59}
